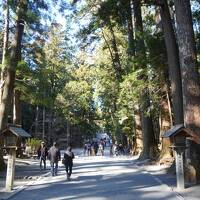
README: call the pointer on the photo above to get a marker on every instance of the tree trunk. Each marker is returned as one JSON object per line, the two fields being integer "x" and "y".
{"x": 138, "y": 143}
{"x": 150, "y": 149}
{"x": 169, "y": 102}
{"x": 4, "y": 58}
{"x": 173, "y": 62}
{"x": 131, "y": 43}
{"x": 116, "y": 58}
{"x": 6, "y": 37}
{"x": 190, "y": 75}
{"x": 17, "y": 108}
{"x": 114, "y": 53}
{"x": 50, "y": 135}
{"x": 2, "y": 164}
{"x": 165, "y": 124}
{"x": 36, "y": 120}
{"x": 7, "y": 90}
{"x": 5, "y": 44}
{"x": 109, "y": 47}
{"x": 68, "y": 134}
{"x": 43, "y": 124}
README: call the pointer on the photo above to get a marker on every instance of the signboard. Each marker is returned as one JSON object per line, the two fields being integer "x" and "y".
{"x": 179, "y": 170}
{"x": 10, "y": 141}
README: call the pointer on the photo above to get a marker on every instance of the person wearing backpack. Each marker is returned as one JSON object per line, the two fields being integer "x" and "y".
{"x": 54, "y": 157}
{"x": 68, "y": 161}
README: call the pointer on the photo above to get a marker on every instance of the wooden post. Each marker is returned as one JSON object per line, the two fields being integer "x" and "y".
{"x": 179, "y": 169}
{"x": 10, "y": 169}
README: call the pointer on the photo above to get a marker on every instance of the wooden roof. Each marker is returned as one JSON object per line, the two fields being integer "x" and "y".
{"x": 174, "y": 130}
{"x": 18, "y": 131}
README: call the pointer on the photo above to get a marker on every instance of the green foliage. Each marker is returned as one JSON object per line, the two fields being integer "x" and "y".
{"x": 47, "y": 74}
{"x": 34, "y": 143}
{"x": 82, "y": 86}
{"x": 76, "y": 101}
{"x": 196, "y": 22}
{"x": 128, "y": 124}
{"x": 131, "y": 87}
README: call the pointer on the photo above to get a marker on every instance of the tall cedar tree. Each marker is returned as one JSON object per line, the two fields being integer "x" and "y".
{"x": 174, "y": 84}
{"x": 4, "y": 58}
{"x": 12, "y": 62}
{"x": 190, "y": 75}
{"x": 173, "y": 62}
{"x": 149, "y": 141}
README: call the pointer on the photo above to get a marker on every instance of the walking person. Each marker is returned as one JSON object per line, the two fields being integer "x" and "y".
{"x": 54, "y": 157}
{"x": 111, "y": 150}
{"x": 88, "y": 148}
{"x": 96, "y": 146}
{"x": 42, "y": 155}
{"x": 68, "y": 161}
{"x": 101, "y": 148}
{"x": 85, "y": 149}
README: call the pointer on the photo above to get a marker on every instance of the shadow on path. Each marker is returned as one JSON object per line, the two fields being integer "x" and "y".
{"x": 100, "y": 180}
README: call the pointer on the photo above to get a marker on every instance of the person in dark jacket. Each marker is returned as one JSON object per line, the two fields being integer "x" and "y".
{"x": 68, "y": 161}
{"x": 42, "y": 155}
{"x": 54, "y": 157}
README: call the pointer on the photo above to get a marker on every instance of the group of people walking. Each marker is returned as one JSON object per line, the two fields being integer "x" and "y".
{"x": 98, "y": 147}
{"x": 92, "y": 148}
{"x": 119, "y": 150}
{"x": 54, "y": 156}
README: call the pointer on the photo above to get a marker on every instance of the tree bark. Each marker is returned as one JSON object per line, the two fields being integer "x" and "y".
{"x": 43, "y": 123}
{"x": 189, "y": 69}
{"x": 150, "y": 149}
{"x": 138, "y": 145}
{"x": 173, "y": 62}
{"x": 36, "y": 120}
{"x": 190, "y": 75}
{"x": 165, "y": 124}
{"x": 17, "y": 108}
{"x": 5, "y": 42}
{"x": 116, "y": 58}
{"x": 68, "y": 134}
{"x": 131, "y": 43}
{"x": 50, "y": 131}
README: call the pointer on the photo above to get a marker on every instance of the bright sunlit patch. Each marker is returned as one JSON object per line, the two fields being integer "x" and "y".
{"x": 75, "y": 197}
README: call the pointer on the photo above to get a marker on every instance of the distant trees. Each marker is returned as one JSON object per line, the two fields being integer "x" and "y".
{"x": 154, "y": 56}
